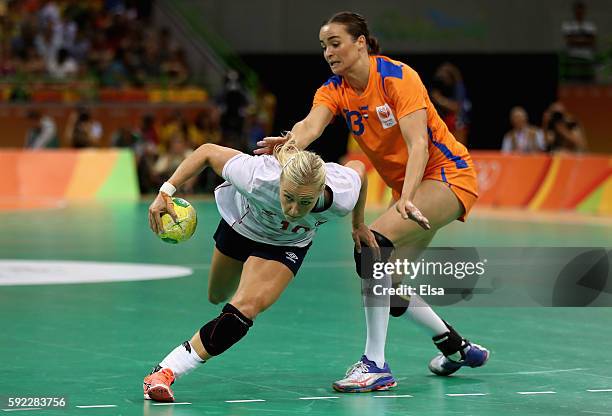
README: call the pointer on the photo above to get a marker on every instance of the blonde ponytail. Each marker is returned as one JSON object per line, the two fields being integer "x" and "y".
{"x": 301, "y": 167}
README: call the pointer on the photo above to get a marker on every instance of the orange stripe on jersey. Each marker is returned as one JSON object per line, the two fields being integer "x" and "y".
{"x": 394, "y": 90}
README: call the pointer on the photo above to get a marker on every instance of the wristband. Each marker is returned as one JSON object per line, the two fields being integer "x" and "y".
{"x": 168, "y": 189}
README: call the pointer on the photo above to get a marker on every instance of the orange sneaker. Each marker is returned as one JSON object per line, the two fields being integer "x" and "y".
{"x": 157, "y": 385}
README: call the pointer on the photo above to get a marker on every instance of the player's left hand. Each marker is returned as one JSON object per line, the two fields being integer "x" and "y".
{"x": 409, "y": 211}
{"x": 363, "y": 234}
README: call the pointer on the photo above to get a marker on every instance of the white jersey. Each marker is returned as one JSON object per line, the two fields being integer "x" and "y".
{"x": 249, "y": 200}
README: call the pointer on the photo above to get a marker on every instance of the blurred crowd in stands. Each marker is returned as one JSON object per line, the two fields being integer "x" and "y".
{"x": 236, "y": 118}
{"x": 109, "y": 43}
{"x": 112, "y": 45}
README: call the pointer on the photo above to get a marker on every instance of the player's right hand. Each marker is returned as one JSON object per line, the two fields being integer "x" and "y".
{"x": 161, "y": 205}
{"x": 267, "y": 144}
{"x": 363, "y": 235}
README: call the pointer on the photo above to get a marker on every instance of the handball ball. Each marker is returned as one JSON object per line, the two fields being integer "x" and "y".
{"x": 184, "y": 228}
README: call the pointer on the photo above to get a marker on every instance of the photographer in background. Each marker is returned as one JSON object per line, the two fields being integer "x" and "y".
{"x": 562, "y": 131}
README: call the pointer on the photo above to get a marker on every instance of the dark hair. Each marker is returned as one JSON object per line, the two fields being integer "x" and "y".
{"x": 356, "y": 25}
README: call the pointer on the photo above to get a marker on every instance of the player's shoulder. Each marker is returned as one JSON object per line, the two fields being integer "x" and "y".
{"x": 333, "y": 83}
{"x": 339, "y": 174}
{"x": 266, "y": 165}
{"x": 391, "y": 68}
{"x": 345, "y": 185}
{"x": 262, "y": 167}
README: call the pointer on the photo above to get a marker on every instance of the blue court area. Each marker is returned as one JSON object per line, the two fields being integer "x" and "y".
{"x": 94, "y": 342}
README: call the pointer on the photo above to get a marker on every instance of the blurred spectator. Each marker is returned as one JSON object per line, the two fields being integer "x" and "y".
{"x": 49, "y": 13}
{"x": 81, "y": 130}
{"x": 261, "y": 116}
{"x": 523, "y": 138}
{"x": 79, "y": 49}
{"x": 167, "y": 162}
{"x": 580, "y": 39}
{"x": 205, "y": 128}
{"x": 175, "y": 68}
{"x": 174, "y": 124}
{"x": 563, "y": 132}
{"x": 113, "y": 71}
{"x": 125, "y": 138}
{"x": 63, "y": 66}
{"x": 42, "y": 133}
{"x": 449, "y": 95}
{"x": 146, "y": 153}
{"x": 148, "y": 131}
{"x": 233, "y": 104}
{"x": 48, "y": 42}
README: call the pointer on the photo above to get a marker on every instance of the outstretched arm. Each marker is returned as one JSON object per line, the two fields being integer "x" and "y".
{"x": 208, "y": 154}
{"x": 305, "y": 131}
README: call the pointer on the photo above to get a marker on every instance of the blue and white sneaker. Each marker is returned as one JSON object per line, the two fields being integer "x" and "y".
{"x": 473, "y": 355}
{"x": 365, "y": 376}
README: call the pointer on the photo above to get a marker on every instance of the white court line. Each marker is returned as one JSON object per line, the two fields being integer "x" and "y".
{"x": 465, "y": 394}
{"x": 598, "y": 391}
{"x": 25, "y": 408}
{"x": 319, "y": 398}
{"x": 533, "y": 372}
{"x": 169, "y": 404}
{"x": 391, "y": 396}
{"x": 244, "y": 401}
{"x": 536, "y": 392}
{"x": 97, "y": 405}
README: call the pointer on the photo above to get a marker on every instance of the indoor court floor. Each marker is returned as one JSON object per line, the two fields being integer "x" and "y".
{"x": 93, "y": 342}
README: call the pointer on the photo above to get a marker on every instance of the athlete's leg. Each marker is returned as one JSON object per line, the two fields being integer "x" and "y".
{"x": 441, "y": 206}
{"x": 223, "y": 277}
{"x": 261, "y": 283}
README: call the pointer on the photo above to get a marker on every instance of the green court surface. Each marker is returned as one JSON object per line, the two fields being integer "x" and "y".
{"x": 94, "y": 342}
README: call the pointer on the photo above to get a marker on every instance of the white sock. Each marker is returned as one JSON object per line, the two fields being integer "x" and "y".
{"x": 182, "y": 360}
{"x": 421, "y": 313}
{"x": 377, "y": 320}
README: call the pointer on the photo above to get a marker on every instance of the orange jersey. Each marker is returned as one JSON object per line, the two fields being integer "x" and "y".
{"x": 395, "y": 90}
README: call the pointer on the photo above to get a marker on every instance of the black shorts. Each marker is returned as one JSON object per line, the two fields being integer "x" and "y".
{"x": 238, "y": 247}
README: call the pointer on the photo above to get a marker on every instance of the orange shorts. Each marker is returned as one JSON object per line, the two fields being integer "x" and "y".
{"x": 462, "y": 182}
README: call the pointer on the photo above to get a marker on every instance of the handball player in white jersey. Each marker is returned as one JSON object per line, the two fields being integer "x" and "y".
{"x": 271, "y": 207}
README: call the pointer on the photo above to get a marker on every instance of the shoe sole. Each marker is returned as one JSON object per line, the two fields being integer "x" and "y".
{"x": 159, "y": 393}
{"x": 381, "y": 387}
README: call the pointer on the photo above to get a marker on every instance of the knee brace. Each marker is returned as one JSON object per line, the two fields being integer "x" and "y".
{"x": 364, "y": 261}
{"x": 450, "y": 343}
{"x": 225, "y": 330}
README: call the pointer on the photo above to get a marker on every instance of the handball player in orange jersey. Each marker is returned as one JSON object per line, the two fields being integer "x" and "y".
{"x": 389, "y": 113}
